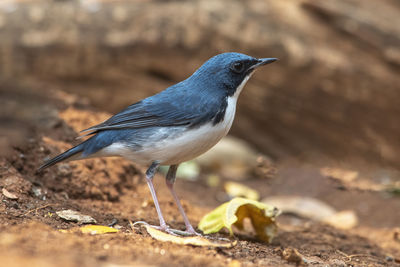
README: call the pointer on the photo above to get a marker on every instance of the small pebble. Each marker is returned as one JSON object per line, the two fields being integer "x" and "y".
{"x": 37, "y": 191}
{"x": 389, "y": 258}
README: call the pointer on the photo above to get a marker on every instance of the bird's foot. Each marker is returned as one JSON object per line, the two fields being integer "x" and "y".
{"x": 177, "y": 232}
{"x": 187, "y": 232}
{"x": 190, "y": 231}
{"x": 165, "y": 228}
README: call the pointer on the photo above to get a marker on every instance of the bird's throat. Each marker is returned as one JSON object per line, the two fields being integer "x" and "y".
{"x": 241, "y": 86}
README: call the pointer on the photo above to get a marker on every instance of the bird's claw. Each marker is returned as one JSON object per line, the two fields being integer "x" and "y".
{"x": 171, "y": 231}
{"x": 177, "y": 232}
{"x": 185, "y": 233}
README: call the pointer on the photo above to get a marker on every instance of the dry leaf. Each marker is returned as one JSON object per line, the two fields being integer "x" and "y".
{"x": 340, "y": 174}
{"x": 346, "y": 219}
{"x": 314, "y": 209}
{"x": 72, "y": 215}
{"x": 187, "y": 240}
{"x": 351, "y": 179}
{"x": 306, "y": 207}
{"x": 239, "y": 190}
{"x": 262, "y": 217}
{"x": 91, "y": 229}
{"x": 234, "y": 263}
{"x": 8, "y": 194}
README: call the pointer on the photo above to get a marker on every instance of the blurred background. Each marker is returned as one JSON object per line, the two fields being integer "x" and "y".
{"x": 334, "y": 94}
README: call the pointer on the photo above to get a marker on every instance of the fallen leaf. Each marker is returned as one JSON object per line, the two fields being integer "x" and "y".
{"x": 234, "y": 263}
{"x": 340, "y": 174}
{"x": 234, "y": 189}
{"x": 8, "y": 194}
{"x": 346, "y": 219}
{"x": 91, "y": 229}
{"x": 97, "y": 229}
{"x": 262, "y": 217}
{"x": 312, "y": 208}
{"x": 187, "y": 240}
{"x": 352, "y": 180}
{"x": 306, "y": 207}
{"x": 74, "y": 216}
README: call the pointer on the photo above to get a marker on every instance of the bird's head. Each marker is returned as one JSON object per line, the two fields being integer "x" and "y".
{"x": 229, "y": 71}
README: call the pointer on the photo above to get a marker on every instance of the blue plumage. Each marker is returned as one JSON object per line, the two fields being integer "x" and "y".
{"x": 197, "y": 100}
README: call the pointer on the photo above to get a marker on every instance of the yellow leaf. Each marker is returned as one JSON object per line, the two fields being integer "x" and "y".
{"x": 235, "y": 263}
{"x": 91, "y": 229}
{"x": 262, "y": 217}
{"x": 188, "y": 240}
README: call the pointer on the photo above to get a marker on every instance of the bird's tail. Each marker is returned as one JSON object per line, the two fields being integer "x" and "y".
{"x": 69, "y": 154}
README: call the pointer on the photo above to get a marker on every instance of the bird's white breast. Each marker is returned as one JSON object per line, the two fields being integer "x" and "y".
{"x": 180, "y": 144}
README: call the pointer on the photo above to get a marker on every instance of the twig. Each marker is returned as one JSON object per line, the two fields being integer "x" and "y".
{"x": 36, "y": 210}
{"x": 350, "y": 257}
{"x": 132, "y": 225}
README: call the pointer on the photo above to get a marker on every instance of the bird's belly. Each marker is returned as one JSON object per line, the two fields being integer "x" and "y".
{"x": 170, "y": 145}
{"x": 188, "y": 145}
{"x": 173, "y": 145}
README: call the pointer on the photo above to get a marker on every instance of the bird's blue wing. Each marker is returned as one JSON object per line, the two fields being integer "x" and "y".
{"x": 172, "y": 107}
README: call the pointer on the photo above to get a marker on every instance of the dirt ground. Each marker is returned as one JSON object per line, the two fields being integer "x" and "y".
{"x": 113, "y": 191}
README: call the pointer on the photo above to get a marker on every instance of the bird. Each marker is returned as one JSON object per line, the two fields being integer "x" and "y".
{"x": 173, "y": 126}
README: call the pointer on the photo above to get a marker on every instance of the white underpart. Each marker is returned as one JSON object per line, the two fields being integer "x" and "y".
{"x": 183, "y": 147}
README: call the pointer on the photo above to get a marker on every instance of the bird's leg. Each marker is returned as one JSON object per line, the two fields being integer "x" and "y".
{"x": 149, "y": 178}
{"x": 170, "y": 180}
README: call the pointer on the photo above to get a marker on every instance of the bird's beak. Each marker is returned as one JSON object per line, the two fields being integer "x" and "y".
{"x": 262, "y": 62}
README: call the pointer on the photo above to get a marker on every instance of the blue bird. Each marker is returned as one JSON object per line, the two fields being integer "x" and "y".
{"x": 173, "y": 126}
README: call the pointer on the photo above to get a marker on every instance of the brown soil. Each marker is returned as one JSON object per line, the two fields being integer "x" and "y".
{"x": 112, "y": 190}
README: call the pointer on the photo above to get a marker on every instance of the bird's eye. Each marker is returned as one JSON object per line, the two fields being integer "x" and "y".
{"x": 237, "y": 67}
